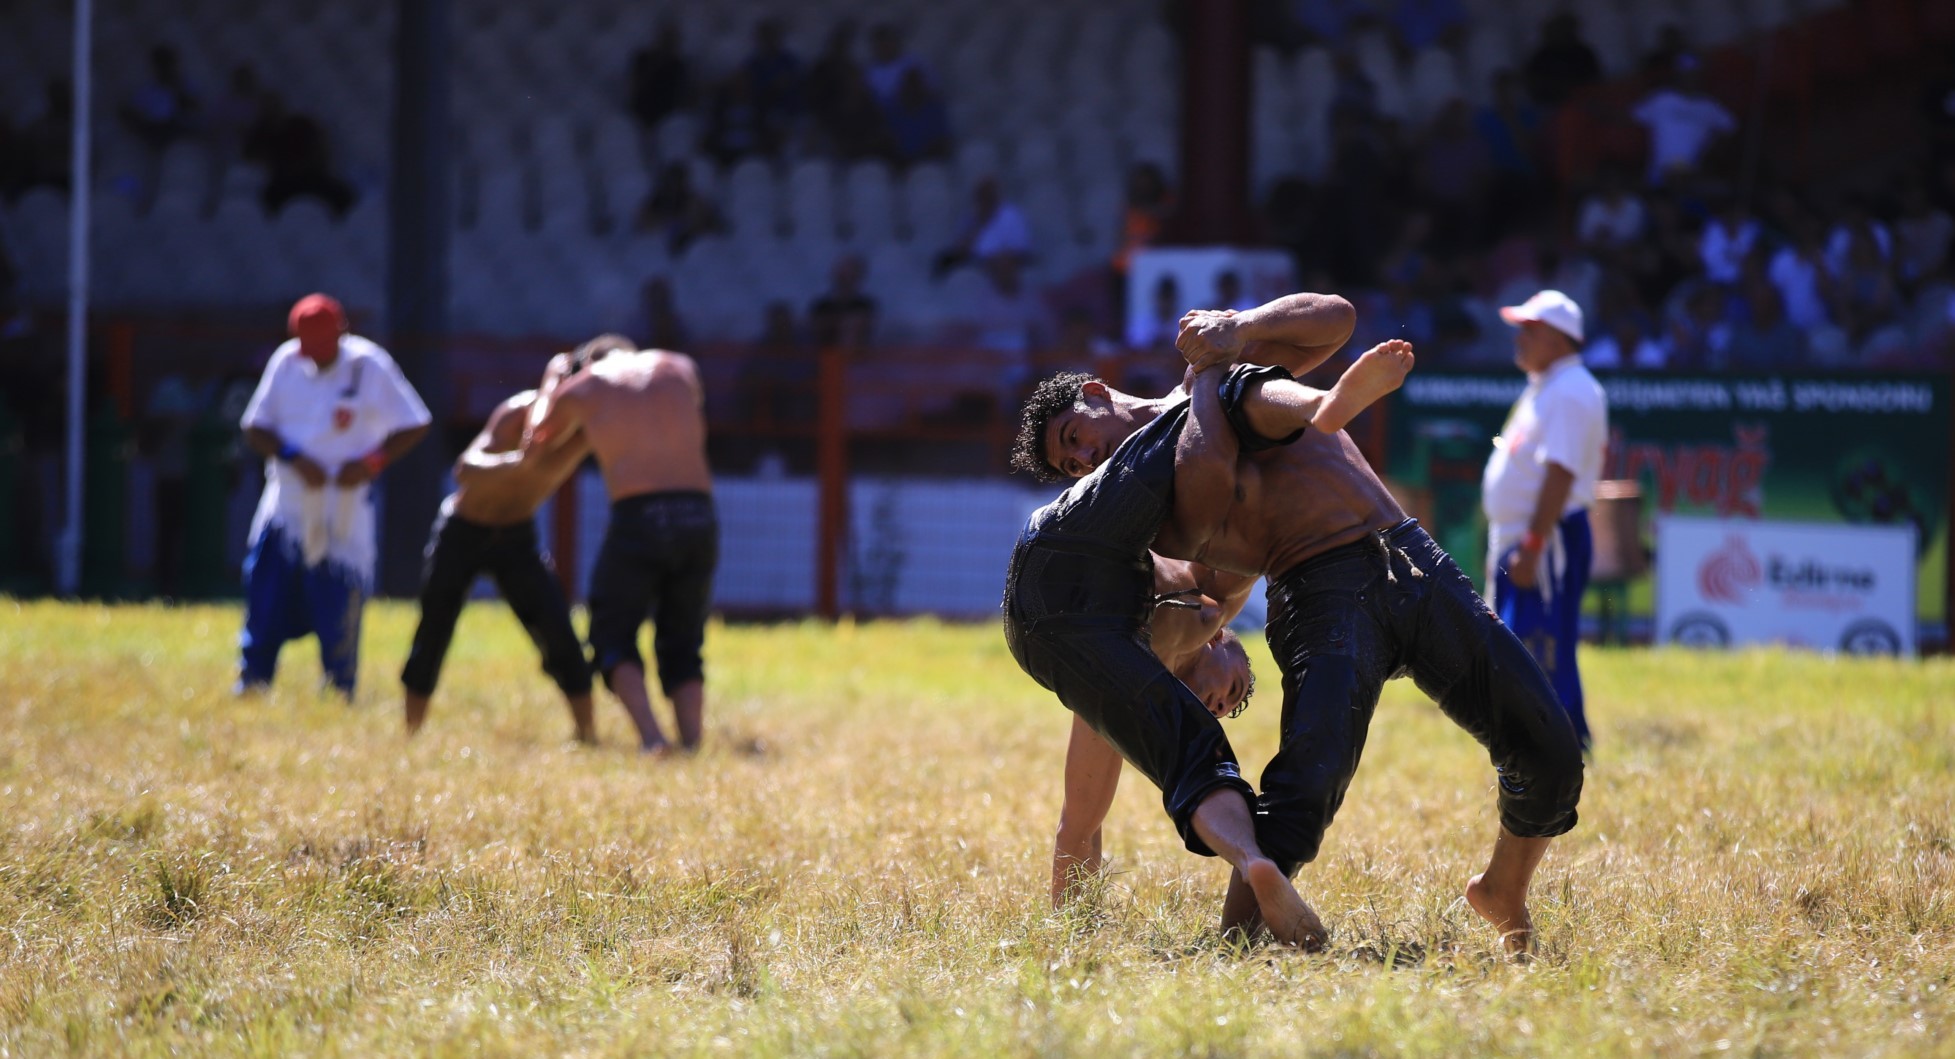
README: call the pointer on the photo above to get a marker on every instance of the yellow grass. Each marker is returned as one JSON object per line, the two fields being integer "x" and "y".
{"x": 857, "y": 864}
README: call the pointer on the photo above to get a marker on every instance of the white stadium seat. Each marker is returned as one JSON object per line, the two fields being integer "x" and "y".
{"x": 1434, "y": 82}
{"x": 811, "y": 200}
{"x": 869, "y": 209}
{"x": 927, "y": 206}
{"x": 753, "y": 201}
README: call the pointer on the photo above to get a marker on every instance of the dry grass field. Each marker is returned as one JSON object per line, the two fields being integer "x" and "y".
{"x": 857, "y": 863}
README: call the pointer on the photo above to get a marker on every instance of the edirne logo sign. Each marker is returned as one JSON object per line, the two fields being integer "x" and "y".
{"x": 1724, "y": 582}
{"x": 1732, "y": 573}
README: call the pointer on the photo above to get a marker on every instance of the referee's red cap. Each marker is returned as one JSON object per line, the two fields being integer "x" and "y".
{"x": 316, "y": 316}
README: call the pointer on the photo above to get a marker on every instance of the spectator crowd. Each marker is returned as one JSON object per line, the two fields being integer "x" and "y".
{"x": 1692, "y": 258}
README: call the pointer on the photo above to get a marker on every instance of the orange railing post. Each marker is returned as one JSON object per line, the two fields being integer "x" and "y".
{"x": 122, "y": 368}
{"x": 831, "y": 476}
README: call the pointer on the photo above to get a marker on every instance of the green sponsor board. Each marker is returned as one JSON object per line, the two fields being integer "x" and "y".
{"x": 1791, "y": 448}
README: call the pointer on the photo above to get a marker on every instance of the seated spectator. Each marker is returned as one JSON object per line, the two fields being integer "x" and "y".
{"x": 1229, "y": 293}
{"x": 9, "y": 160}
{"x": 995, "y": 229}
{"x": 298, "y": 162}
{"x": 232, "y": 116}
{"x": 1157, "y": 330}
{"x": 844, "y": 316}
{"x": 832, "y": 80}
{"x": 1728, "y": 237}
{"x": 1869, "y": 297}
{"x": 1613, "y": 218}
{"x": 1683, "y": 123}
{"x": 1007, "y": 317}
{"x": 1625, "y": 344}
{"x": 777, "y": 75}
{"x": 1327, "y": 22}
{"x": 1672, "y": 52}
{"x": 889, "y": 62}
{"x": 1422, "y": 24}
{"x": 736, "y": 125}
{"x": 164, "y": 108}
{"x": 44, "y": 147}
{"x": 1670, "y": 251}
{"x": 1798, "y": 269}
{"x": 777, "y": 381}
{"x": 1354, "y": 203}
{"x": 1922, "y": 235}
{"x": 1081, "y": 347}
{"x": 1454, "y": 171}
{"x": 859, "y": 131}
{"x": 918, "y": 122}
{"x": 1562, "y": 63}
{"x": 1764, "y": 340}
{"x": 1143, "y": 214}
{"x": 1510, "y": 126}
{"x": 1856, "y": 220}
{"x": 1352, "y": 91}
{"x": 661, "y": 78}
{"x": 1700, "y": 334}
{"x": 657, "y": 324}
{"x": 676, "y": 209}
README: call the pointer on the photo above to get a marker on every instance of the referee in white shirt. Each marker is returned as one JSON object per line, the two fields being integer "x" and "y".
{"x": 331, "y": 411}
{"x": 1538, "y": 488}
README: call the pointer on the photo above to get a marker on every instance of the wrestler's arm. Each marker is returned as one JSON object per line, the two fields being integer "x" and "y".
{"x": 1092, "y": 776}
{"x": 1204, "y": 470}
{"x": 1277, "y": 407}
{"x": 503, "y": 433}
{"x": 1296, "y": 332}
{"x": 1205, "y": 600}
{"x": 562, "y": 426}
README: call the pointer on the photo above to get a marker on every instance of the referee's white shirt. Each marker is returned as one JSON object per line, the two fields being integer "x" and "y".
{"x": 334, "y": 416}
{"x": 1562, "y": 417}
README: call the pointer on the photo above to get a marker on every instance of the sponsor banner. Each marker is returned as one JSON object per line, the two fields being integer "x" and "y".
{"x": 1724, "y": 582}
{"x": 1848, "y": 450}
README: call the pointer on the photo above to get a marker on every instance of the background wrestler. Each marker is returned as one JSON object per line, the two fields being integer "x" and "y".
{"x": 488, "y": 524}
{"x": 642, "y": 415}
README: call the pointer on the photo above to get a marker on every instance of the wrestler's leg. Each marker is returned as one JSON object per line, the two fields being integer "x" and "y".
{"x": 1486, "y": 681}
{"x": 1121, "y": 690}
{"x": 620, "y": 598}
{"x": 1223, "y": 821}
{"x": 531, "y": 589}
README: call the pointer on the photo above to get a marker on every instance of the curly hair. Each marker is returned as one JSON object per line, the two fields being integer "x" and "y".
{"x": 1054, "y": 395}
{"x": 1230, "y": 639}
{"x": 598, "y": 348}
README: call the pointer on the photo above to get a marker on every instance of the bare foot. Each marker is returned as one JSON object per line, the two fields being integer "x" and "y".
{"x": 1378, "y": 372}
{"x": 1507, "y": 914}
{"x": 416, "y": 711}
{"x": 1284, "y": 912}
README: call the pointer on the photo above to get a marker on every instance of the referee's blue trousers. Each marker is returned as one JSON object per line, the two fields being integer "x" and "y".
{"x": 284, "y": 600}
{"x": 1550, "y": 624}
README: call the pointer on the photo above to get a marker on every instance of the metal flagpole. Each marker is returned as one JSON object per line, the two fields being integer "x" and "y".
{"x": 69, "y": 573}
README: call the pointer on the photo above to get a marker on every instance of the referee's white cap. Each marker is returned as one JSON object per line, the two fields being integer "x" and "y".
{"x": 1550, "y": 307}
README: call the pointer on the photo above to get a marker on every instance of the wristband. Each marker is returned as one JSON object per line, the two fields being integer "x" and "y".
{"x": 375, "y": 462}
{"x": 1531, "y": 542}
{"x": 287, "y": 452}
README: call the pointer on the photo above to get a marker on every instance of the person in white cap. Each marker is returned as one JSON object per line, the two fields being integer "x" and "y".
{"x": 1537, "y": 489}
{"x": 330, "y": 413}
